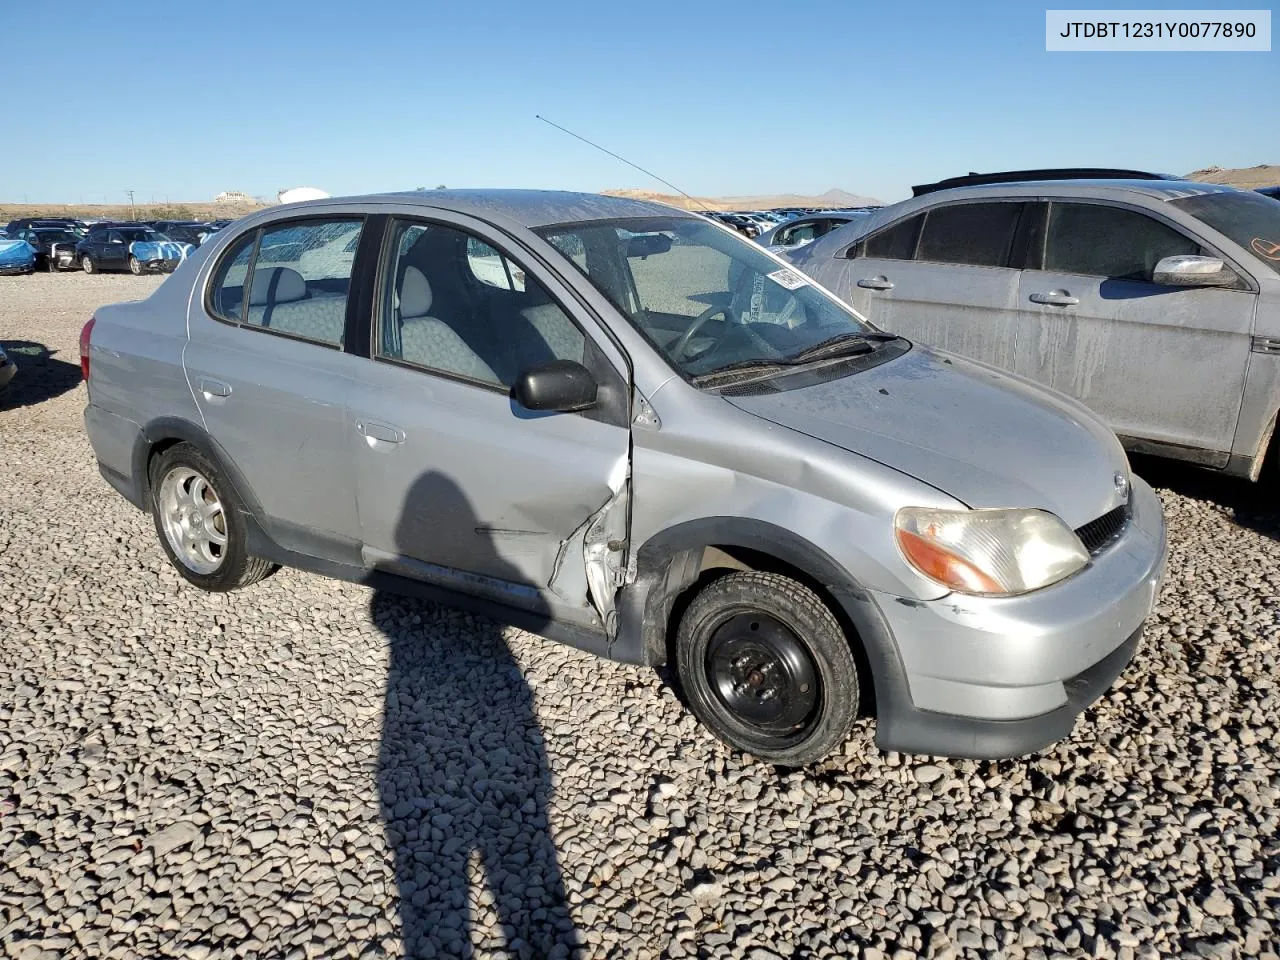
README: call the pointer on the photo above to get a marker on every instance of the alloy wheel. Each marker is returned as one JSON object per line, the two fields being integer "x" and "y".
{"x": 193, "y": 519}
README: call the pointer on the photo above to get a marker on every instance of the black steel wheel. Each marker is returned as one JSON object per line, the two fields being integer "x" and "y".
{"x": 762, "y": 673}
{"x": 766, "y": 667}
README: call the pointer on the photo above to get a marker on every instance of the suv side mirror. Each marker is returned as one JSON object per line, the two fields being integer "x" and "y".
{"x": 1189, "y": 271}
{"x": 560, "y": 385}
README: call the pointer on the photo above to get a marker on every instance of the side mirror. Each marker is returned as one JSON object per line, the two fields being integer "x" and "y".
{"x": 1189, "y": 271}
{"x": 117, "y": 241}
{"x": 560, "y": 385}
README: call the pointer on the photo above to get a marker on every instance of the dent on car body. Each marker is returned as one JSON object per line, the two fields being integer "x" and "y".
{"x": 601, "y": 543}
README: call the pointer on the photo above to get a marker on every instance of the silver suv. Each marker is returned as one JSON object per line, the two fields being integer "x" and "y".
{"x": 629, "y": 429}
{"x": 1156, "y": 302}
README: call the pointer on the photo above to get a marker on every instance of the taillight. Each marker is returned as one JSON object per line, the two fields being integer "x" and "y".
{"x": 85, "y": 333}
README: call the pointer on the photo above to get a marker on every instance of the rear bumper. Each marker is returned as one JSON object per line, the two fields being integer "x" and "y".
{"x": 982, "y": 677}
{"x": 114, "y": 440}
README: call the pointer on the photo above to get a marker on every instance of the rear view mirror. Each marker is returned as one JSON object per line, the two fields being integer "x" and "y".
{"x": 1189, "y": 271}
{"x": 560, "y": 385}
{"x": 647, "y": 244}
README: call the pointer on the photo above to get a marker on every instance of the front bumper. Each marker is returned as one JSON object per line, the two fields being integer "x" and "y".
{"x": 8, "y": 370}
{"x": 13, "y": 269}
{"x": 999, "y": 677}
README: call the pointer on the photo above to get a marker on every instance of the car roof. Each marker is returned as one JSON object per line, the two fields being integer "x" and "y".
{"x": 1155, "y": 189}
{"x": 530, "y": 208}
{"x": 1160, "y": 190}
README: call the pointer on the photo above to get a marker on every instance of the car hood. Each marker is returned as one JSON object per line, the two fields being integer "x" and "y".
{"x": 983, "y": 436}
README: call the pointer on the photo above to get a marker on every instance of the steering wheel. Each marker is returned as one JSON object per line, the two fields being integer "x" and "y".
{"x": 681, "y": 346}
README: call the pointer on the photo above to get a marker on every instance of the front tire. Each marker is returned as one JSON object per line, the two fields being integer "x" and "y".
{"x": 766, "y": 667}
{"x": 87, "y": 264}
{"x": 135, "y": 266}
{"x": 51, "y": 265}
{"x": 200, "y": 522}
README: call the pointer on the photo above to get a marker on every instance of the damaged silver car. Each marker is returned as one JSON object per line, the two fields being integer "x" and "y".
{"x": 624, "y": 427}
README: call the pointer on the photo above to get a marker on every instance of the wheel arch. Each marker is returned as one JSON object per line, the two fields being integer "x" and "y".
{"x": 671, "y": 565}
{"x": 164, "y": 432}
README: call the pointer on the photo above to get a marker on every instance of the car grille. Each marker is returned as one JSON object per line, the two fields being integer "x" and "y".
{"x": 1097, "y": 535}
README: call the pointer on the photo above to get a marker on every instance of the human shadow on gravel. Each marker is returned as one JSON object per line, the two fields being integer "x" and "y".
{"x": 40, "y": 376}
{"x": 463, "y": 777}
{"x": 1253, "y": 506}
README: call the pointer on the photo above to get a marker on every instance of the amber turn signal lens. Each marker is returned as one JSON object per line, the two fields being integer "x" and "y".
{"x": 937, "y": 564}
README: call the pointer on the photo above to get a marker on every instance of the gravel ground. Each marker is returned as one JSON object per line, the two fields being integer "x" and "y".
{"x": 309, "y": 769}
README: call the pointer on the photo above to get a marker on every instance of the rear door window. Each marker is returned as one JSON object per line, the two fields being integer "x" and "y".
{"x": 973, "y": 234}
{"x": 290, "y": 278}
{"x": 1114, "y": 243}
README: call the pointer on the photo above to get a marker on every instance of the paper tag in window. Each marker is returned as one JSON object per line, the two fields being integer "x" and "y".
{"x": 788, "y": 279}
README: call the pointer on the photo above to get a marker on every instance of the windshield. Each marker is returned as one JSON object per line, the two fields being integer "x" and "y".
{"x": 55, "y": 236}
{"x": 705, "y": 298}
{"x": 1250, "y": 219}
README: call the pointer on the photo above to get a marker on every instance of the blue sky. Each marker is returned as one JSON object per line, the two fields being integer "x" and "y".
{"x": 183, "y": 100}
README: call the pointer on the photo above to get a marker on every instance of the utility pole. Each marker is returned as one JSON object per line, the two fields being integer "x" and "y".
{"x": 133, "y": 214}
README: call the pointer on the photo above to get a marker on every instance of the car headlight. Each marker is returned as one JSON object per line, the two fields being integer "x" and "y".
{"x": 989, "y": 552}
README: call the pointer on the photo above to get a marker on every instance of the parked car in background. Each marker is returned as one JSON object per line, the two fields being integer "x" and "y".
{"x": 65, "y": 223}
{"x": 1154, "y": 301}
{"x": 1272, "y": 192}
{"x": 55, "y": 247}
{"x": 16, "y": 257}
{"x": 184, "y": 231}
{"x": 798, "y": 231}
{"x": 8, "y": 370}
{"x": 660, "y": 443}
{"x": 129, "y": 246}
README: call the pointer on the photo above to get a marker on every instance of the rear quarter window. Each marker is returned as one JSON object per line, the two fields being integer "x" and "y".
{"x": 226, "y": 293}
{"x": 896, "y": 242}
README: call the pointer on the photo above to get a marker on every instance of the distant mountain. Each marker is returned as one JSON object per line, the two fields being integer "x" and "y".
{"x": 1263, "y": 175}
{"x": 832, "y": 198}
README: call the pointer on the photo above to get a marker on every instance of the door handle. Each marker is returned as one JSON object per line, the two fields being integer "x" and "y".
{"x": 214, "y": 388}
{"x": 386, "y": 432}
{"x": 875, "y": 283}
{"x": 1055, "y": 298}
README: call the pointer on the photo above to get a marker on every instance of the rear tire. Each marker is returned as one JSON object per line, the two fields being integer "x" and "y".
{"x": 766, "y": 667}
{"x": 87, "y": 264}
{"x": 135, "y": 266}
{"x": 200, "y": 522}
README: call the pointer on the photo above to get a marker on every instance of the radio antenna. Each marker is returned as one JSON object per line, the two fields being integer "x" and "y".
{"x": 647, "y": 173}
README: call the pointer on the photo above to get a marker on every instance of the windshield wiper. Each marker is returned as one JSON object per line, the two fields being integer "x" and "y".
{"x": 759, "y": 366}
{"x": 842, "y": 345}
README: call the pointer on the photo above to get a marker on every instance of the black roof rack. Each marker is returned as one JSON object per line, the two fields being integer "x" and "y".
{"x": 1054, "y": 173}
